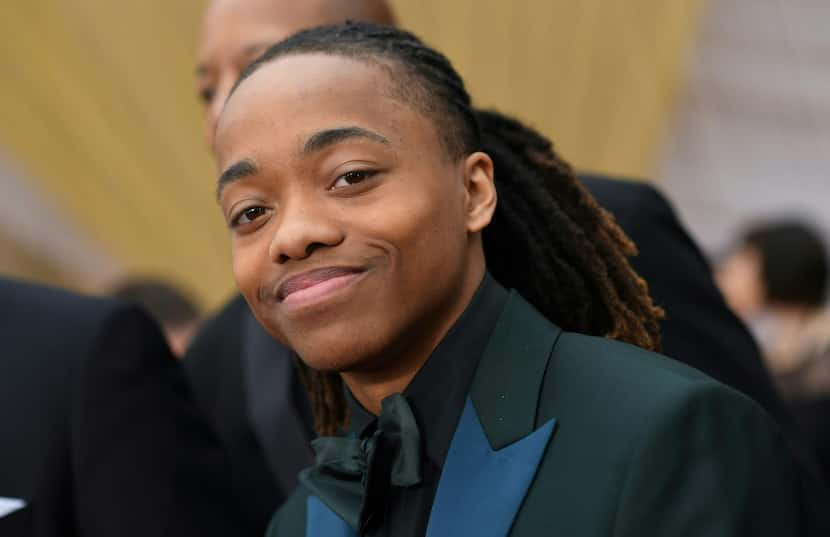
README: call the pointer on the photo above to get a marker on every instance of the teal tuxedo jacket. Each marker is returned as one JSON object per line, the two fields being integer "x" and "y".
{"x": 570, "y": 435}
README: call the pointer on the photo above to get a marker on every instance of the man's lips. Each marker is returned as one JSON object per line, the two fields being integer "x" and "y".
{"x": 313, "y": 283}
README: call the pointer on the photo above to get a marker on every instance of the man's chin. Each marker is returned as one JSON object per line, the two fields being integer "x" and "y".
{"x": 337, "y": 351}
{"x": 327, "y": 364}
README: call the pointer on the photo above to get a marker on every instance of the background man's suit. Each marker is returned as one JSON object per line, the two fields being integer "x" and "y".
{"x": 239, "y": 372}
{"x": 700, "y": 331}
{"x": 100, "y": 434}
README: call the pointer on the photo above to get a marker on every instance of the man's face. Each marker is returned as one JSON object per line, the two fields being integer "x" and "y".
{"x": 739, "y": 279}
{"x": 236, "y": 32}
{"x": 352, "y": 230}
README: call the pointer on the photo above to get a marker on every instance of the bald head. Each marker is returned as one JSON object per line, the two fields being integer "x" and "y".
{"x": 235, "y": 32}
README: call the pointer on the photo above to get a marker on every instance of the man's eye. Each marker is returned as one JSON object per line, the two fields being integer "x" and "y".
{"x": 352, "y": 178}
{"x": 206, "y": 95}
{"x": 247, "y": 216}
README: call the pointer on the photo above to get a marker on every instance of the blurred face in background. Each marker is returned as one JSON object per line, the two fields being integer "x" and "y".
{"x": 179, "y": 336}
{"x": 739, "y": 279}
{"x": 235, "y": 32}
{"x": 776, "y": 281}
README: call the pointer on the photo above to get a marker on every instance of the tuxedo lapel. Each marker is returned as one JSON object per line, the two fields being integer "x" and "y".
{"x": 323, "y": 522}
{"x": 498, "y": 444}
{"x": 480, "y": 492}
{"x": 481, "y": 489}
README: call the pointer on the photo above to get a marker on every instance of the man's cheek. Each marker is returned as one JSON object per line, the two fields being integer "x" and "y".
{"x": 246, "y": 275}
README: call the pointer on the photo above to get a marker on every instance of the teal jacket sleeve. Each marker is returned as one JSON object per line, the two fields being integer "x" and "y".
{"x": 290, "y": 520}
{"x": 714, "y": 464}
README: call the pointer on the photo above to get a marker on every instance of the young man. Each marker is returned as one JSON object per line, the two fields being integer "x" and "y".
{"x": 246, "y": 380}
{"x": 358, "y": 185}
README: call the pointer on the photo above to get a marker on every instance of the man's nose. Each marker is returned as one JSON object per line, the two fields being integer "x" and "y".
{"x": 303, "y": 228}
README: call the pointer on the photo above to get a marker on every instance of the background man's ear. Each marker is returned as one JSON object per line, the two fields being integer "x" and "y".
{"x": 481, "y": 191}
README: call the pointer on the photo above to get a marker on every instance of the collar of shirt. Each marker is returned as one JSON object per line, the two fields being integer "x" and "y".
{"x": 438, "y": 391}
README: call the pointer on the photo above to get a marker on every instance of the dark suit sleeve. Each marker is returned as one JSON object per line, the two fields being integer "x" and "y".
{"x": 712, "y": 464}
{"x": 145, "y": 461}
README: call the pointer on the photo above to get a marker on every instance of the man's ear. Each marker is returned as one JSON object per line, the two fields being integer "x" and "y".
{"x": 481, "y": 191}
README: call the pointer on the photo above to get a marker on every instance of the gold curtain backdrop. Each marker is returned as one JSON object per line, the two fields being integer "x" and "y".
{"x": 99, "y": 108}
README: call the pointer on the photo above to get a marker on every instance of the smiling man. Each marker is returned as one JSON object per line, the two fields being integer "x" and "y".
{"x": 382, "y": 255}
{"x": 246, "y": 380}
{"x": 360, "y": 189}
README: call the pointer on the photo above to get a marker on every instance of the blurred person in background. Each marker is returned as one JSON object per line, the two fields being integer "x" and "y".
{"x": 100, "y": 434}
{"x": 776, "y": 280}
{"x": 247, "y": 382}
{"x": 236, "y": 32}
{"x": 169, "y": 305}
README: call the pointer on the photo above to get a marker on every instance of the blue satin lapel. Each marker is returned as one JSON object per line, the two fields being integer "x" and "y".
{"x": 481, "y": 490}
{"x": 323, "y": 522}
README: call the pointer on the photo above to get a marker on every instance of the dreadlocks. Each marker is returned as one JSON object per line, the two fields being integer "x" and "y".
{"x": 549, "y": 239}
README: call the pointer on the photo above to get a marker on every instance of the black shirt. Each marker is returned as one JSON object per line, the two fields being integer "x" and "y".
{"x": 436, "y": 395}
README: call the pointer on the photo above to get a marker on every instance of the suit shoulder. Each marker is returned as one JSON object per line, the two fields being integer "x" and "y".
{"x": 51, "y": 304}
{"x": 615, "y": 193}
{"x": 290, "y": 519}
{"x": 636, "y": 206}
{"x": 73, "y": 321}
{"x": 234, "y": 309}
{"x": 615, "y": 358}
{"x": 220, "y": 332}
{"x": 227, "y": 321}
{"x": 613, "y": 380}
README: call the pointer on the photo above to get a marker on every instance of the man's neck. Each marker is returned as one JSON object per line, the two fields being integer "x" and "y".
{"x": 371, "y": 386}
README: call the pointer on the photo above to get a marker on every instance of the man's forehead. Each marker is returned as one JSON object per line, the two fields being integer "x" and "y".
{"x": 319, "y": 84}
{"x": 299, "y": 14}
{"x": 305, "y": 75}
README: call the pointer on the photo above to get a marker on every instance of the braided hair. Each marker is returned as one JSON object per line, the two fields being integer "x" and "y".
{"x": 548, "y": 239}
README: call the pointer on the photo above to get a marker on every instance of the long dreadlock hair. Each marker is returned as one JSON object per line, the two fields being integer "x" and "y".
{"x": 549, "y": 239}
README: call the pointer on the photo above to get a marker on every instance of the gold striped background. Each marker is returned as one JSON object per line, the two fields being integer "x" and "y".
{"x": 97, "y": 105}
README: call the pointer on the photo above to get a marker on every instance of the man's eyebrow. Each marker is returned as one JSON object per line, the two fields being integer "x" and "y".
{"x": 328, "y": 137}
{"x": 239, "y": 170}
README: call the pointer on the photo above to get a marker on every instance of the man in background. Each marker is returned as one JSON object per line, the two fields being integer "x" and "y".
{"x": 235, "y": 32}
{"x": 777, "y": 280}
{"x": 100, "y": 434}
{"x": 246, "y": 380}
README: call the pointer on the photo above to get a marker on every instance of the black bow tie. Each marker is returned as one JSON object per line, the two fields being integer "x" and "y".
{"x": 352, "y": 475}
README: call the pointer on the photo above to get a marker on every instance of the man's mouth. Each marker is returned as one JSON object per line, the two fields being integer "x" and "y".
{"x": 315, "y": 284}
